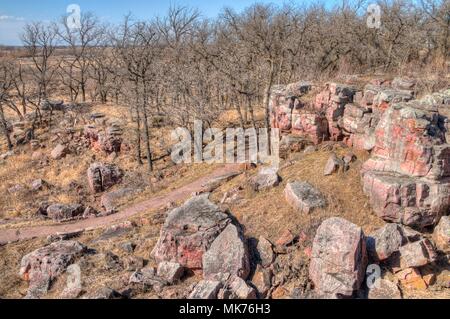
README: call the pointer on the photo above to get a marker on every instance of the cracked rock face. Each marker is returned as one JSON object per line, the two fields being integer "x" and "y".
{"x": 228, "y": 254}
{"x": 189, "y": 231}
{"x": 45, "y": 264}
{"x": 103, "y": 176}
{"x": 408, "y": 175}
{"x": 339, "y": 258}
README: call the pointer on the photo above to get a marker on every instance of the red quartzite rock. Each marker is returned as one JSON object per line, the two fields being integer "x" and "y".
{"x": 45, "y": 264}
{"x": 339, "y": 258}
{"x": 189, "y": 231}
{"x": 408, "y": 176}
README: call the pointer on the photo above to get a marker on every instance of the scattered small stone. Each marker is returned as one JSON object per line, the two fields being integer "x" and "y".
{"x": 262, "y": 279}
{"x": 133, "y": 263}
{"x": 128, "y": 247}
{"x": 333, "y": 165}
{"x": 146, "y": 278}
{"x": 59, "y": 152}
{"x": 266, "y": 178}
{"x": 265, "y": 252}
{"x": 412, "y": 279}
{"x": 39, "y": 184}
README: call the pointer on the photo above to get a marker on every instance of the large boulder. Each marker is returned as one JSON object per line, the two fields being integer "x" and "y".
{"x": 63, "y": 212}
{"x": 303, "y": 197}
{"x": 189, "y": 231}
{"x": 384, "y": 242}
{"x": 441, "y": 235}
{"x": 103, "y": 176}
{"x": 339, "y": 258}
{"x": 228, "y": 254}
{"x": 43, "y": 265}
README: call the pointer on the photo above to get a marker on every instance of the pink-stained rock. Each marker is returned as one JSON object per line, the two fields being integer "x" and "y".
{"x": 339, "y": 258}
{"x": 406, "y": 200}
{"x": 189, "y": 231}
{"x": 310, "y": 124}
{"x": 408, "y": 175}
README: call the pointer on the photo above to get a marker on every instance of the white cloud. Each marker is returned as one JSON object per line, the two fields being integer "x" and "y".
{"x": 11, "y": 18}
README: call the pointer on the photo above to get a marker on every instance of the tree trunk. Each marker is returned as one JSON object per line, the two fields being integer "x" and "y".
{"x": 267, "y": 91}
{"x": 5, "y": 128}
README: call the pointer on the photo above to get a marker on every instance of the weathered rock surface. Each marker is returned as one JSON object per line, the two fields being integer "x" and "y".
{"x": 103, "y": 176}
{"x": 206, "y": 289}
{"x": 303, "y": 197}
{"x": 265, "y": 252}
{"x": 408, "y": 176}
{"x": 384, "y": 242}
{"x": 441, "y": 235}
{"x": 189, "y": 231}
{"x": 171, "y": 272}
{"x": 227, "y": 254}
{"x": 59, "y": 152}
{"x": 384, "y": 289}
{"x": 43, "y": 265}
{"x": 417, "y": 254}
{"x": 333, "y": 165}
{"x": 339, "y": 258}
{"x": 266, "y": 178}
{"x": 146, "y": 278}
{"x": 62, "y": 212}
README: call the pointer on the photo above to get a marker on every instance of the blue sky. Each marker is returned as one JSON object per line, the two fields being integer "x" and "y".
{"x": 14, "y": 14}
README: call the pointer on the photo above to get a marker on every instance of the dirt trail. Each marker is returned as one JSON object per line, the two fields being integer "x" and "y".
{"x": 12, "y": 235}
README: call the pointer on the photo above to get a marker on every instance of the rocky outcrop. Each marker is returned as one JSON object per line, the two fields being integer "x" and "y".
{"x": 339, "y": 258}
{"x": 408, "y": 175}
